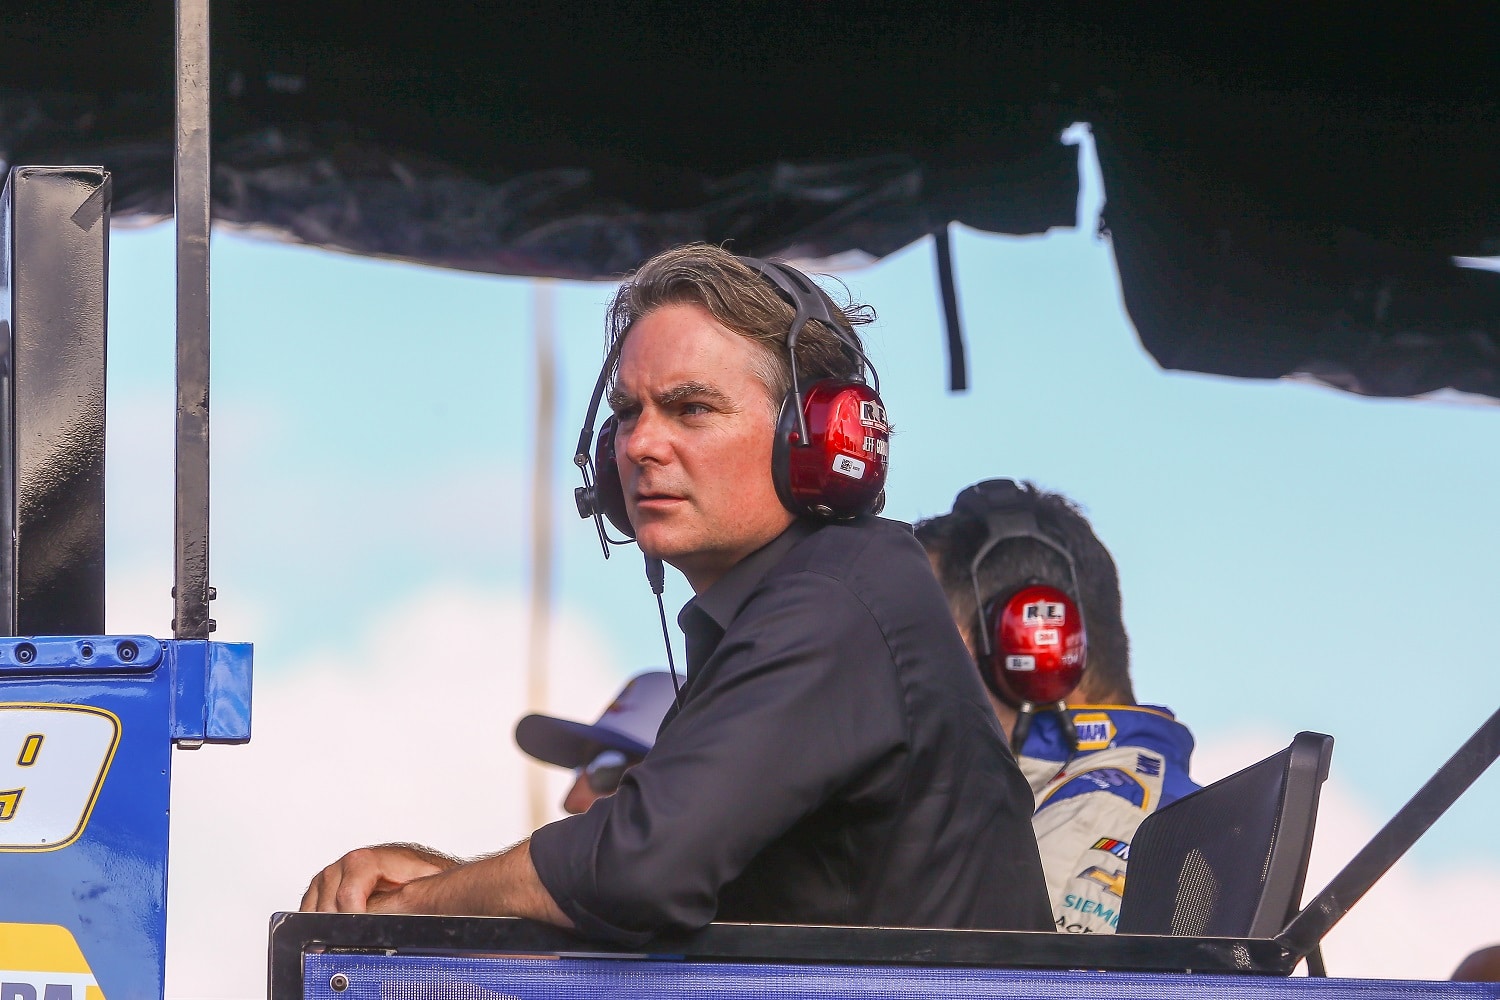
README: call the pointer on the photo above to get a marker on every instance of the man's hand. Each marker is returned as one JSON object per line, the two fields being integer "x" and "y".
{"x": 405, "y": 878}
{"x": 347, "y": 885}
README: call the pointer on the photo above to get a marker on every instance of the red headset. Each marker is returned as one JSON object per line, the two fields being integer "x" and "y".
{"x": 1038, "y": 644}
{"x": 832, "y": 447}
{"x": 1033, "y": 644}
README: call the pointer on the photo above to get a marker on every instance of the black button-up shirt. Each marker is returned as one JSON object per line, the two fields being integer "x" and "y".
{"x": 835, "y": 761}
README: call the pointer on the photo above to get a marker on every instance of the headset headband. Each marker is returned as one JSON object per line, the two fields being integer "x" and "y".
{"x": 587, "y": 497}
{"x": 997, "y": 502}
{"x": 586, "y": 436}
{"x": 810, "y": 302}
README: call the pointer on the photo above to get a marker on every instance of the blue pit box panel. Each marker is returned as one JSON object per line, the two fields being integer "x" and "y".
{"x": 87, "y": 727}
{"x": 332, "y": 976}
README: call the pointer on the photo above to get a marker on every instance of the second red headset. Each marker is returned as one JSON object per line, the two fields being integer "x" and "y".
{"x": 1033, "y": 644}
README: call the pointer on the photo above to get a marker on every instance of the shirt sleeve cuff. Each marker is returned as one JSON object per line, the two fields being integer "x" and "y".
{"x": 556, "y": 853}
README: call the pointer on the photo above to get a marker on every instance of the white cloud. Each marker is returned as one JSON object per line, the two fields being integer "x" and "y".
{"x": 140, "y": 603}
{"x": 139, "y": 512}
{"x": 140, "y": 600}
{"x": 406, "y": 735}
{"x": 1418, "y": 921}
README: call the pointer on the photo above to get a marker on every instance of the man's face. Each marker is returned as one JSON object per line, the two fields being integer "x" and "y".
{"x": 580, "y": 796}
{"x": 696, "y": 427}
{"x": 599, "y": 780}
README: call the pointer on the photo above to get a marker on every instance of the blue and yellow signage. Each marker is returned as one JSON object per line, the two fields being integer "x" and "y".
{"x": 87, "y": 726}
{"x": 44, "y": 962}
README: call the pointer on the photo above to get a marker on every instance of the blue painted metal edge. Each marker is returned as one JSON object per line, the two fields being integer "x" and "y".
{"x": 211, "y": 691}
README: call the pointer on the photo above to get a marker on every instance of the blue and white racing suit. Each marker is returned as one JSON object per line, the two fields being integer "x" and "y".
{"x": 1131, "y": 761}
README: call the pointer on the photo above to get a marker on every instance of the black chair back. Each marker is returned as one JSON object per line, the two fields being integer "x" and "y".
{"x": 1230, "y": 859}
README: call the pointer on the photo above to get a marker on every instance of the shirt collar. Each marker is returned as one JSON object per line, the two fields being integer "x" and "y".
{"x": 722, "y": 601}
{"x": 1151, "y": 727}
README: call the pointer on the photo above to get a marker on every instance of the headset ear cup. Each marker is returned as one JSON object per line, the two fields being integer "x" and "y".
{"x": 992, "y": 663}
{"x": 840, "y": 471}
{"x": 781, "y": 455}
{"x": 1039, "y": 645}
{"x": 609, "y": 494}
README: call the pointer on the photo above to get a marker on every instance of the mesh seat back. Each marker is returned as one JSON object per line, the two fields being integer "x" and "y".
{"x": 1229, "y": 860}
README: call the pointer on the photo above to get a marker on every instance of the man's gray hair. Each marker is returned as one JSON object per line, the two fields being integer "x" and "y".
{"x": 746, "y": 302}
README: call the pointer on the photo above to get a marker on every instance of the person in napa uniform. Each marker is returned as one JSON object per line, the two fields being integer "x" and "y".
{"x": 601, "y": 753}
{"x": 1037, "y": 598}
{"x": 833, "y": 758}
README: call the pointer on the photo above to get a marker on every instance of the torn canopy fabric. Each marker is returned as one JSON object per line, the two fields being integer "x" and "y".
{"x": 325, "y": 184}
{"x": 1277, "y": 205}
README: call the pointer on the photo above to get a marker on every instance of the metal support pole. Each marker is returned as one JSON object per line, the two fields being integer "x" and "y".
{"x": 191, "y": 194}
{"x": 958, "y": 364}
{"x": 1303, "y": 934}
{"x": 539, "y": 623}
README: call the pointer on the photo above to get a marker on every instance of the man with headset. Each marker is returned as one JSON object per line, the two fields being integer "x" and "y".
{"x": 1037, "y": 599}
{"x": 832, "y": 758}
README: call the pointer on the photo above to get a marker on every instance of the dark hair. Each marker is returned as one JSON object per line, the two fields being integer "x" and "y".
{"x": 743, "y": 300}
{"x": 953, "y": 539}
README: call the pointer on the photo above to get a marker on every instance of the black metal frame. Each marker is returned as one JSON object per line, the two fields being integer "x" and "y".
{"x": 1302, "y": 935}
{"x": 191, "y": 592}
{"x": 296, "y": 934}
{"x": 54, "y": 267}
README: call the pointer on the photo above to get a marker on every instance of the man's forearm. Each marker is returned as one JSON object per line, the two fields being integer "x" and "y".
{"x": 501, "y": 885}
{"x": 431, "y": 855}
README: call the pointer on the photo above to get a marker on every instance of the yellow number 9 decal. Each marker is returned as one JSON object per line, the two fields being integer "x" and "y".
{"x": 53, "y": 759}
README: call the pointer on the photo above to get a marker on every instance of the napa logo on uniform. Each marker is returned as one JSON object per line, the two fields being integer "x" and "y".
{"x": 43, "y": 962}
{"x": 53, "y": 761}
{"x": 1095, "y": 730}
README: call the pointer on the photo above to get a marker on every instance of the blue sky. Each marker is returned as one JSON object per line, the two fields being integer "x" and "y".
{"x": 1291, "y": 557}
